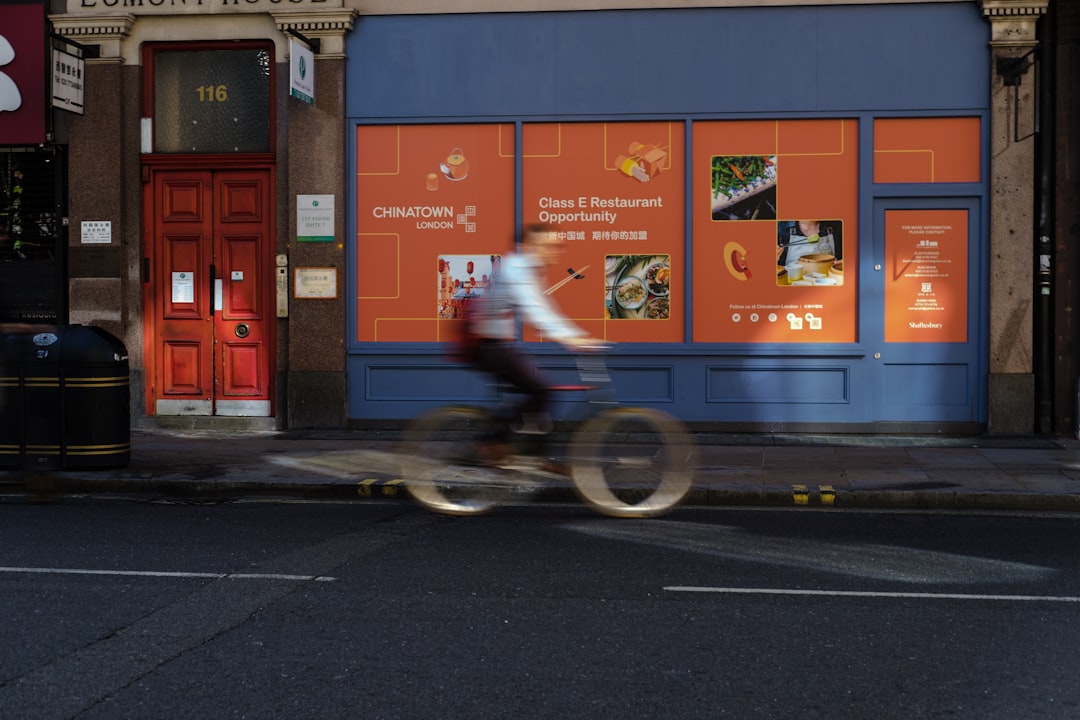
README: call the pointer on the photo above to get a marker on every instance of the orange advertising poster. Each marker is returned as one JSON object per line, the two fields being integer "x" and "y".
{"x": 434, "y": 214}
{"x": 775, "y": 220}
{"x": 926, "y": 288}
{"x": 617, "y": 192}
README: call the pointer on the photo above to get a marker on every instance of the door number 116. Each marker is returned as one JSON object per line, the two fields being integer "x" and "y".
{"x": 213, "y": 93}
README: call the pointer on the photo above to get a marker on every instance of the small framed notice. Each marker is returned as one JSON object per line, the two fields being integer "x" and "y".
{"x": 183, "y": 287}
{"x": 96, "y": 232}
{"x": 317, "y": 283}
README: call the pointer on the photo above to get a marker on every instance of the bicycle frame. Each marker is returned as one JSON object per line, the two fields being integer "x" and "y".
{"x": 623, "y": 461}
{"x": 596, "y": 385}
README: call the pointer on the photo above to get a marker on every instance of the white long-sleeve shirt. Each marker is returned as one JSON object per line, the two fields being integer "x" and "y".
{"x": 517, "y": 289}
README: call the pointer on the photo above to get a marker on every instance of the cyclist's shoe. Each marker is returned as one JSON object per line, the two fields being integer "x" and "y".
{"x": 492, "y": 452}
{"x": 488, "y": 453}
{"x": 531, "y": 465}
{"x": 555, "y": 467}
{"x": 533, "y": 424}
{"x": 518, "y": 463}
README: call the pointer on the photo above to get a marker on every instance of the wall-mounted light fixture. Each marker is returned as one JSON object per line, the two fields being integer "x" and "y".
{"x": 1011, "y": 69}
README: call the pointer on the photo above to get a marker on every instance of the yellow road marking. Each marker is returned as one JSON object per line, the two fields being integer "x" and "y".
{"x": 828, "y": 495}
{"x": 801, "y": 494}
{"x": 369, "y": 487}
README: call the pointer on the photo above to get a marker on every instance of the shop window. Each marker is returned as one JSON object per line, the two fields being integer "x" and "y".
{"x": 927, "y": 150}
{"x": 30, "y": 236}
{"x": 209, "y": 100}
{"x": 435, "y": 214}
{"x": 775, "y": 207}
{"x": 618, "y": 191}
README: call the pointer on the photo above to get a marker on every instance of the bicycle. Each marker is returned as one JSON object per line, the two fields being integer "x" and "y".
{"x": 630, "y": 462}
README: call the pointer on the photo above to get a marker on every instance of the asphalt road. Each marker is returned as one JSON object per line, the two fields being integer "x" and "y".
{"x": 118, "y": 608}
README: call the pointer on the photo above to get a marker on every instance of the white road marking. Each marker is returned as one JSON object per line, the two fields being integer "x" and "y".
{"x": 870, "y": 594}
{"x": 164, "y": 574}
{"x": 929, "y": 568}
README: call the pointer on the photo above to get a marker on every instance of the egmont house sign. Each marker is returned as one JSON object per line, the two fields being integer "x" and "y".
{"x": 172, "y": 7}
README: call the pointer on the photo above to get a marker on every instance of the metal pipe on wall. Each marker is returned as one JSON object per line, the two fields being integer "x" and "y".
{"x": 1043, "y": 342}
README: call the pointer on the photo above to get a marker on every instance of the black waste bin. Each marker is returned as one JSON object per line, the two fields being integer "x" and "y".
{"x": 66, "y": 399}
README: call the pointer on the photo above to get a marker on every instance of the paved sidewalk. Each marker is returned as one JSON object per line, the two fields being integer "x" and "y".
{"x": 989, "y": 472}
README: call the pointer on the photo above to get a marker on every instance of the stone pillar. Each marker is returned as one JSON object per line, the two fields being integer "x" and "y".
{"x": 312, "y": 350}
{"x": 1011, "y": 390}
{"x": 104, "y": 185}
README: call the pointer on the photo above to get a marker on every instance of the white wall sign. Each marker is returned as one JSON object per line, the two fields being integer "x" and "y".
{"x": 183, "y": 287}
{"x": 96, "y": 232}
{"x": 315, "y": 218}
{"x": 301, "y": 72}
{"x": 67, "y": 81}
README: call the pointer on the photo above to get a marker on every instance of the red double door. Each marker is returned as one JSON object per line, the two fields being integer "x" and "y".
{"x": 208, "y": 294}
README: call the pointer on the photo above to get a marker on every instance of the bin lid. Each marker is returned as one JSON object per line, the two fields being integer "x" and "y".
{"x": 87, "y": 343}
{"x": 66, "y": 344}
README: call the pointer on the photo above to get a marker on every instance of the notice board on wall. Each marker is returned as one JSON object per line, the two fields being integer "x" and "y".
{"x": 926, "y": 286}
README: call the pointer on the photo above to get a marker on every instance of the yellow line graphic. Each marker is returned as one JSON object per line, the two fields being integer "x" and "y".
{"x": 558, "y": 151}
{"x": 502, "y": 153}
{"x": 397, "y": 152}
{"x": 840, "y": 124}
{"x": 914, "y": 151}
{"x": 397, "y": 269}
{"x": 377, "y": 321}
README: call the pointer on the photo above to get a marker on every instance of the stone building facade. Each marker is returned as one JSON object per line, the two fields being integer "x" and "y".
{"x": 302, "y": 376}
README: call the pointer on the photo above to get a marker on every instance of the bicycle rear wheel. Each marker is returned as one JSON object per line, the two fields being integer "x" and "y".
{"x": 438, "y": 470}
{"x": 633, "y": 462}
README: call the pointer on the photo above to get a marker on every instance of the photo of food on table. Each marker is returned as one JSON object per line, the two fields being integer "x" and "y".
{"x": 637, "y": 287}
{"x": 809, "y": 253}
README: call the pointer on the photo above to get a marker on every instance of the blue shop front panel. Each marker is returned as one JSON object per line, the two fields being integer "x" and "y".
{"x": 692, "y": 88}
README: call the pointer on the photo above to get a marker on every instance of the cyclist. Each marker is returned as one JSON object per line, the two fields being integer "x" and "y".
{"x": 517, "y": 291}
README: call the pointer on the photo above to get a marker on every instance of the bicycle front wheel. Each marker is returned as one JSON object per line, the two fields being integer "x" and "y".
{"x": 437, "y": 467}
{"x": 633, "y": 462}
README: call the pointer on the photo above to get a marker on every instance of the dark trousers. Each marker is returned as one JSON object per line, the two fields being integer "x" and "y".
{"x": 511, "y": 367}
